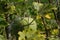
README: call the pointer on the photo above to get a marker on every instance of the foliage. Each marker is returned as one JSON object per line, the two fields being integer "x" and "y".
{"x": 28, "y": 19}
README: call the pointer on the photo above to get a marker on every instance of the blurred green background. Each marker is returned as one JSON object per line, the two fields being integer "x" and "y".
{"x": 29, "y": 19}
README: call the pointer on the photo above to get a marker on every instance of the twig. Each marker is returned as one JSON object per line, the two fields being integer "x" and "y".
{"x": 46, "y": 30}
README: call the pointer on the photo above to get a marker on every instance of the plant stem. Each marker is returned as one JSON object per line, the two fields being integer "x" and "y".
{"x": 46, "y": 30}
